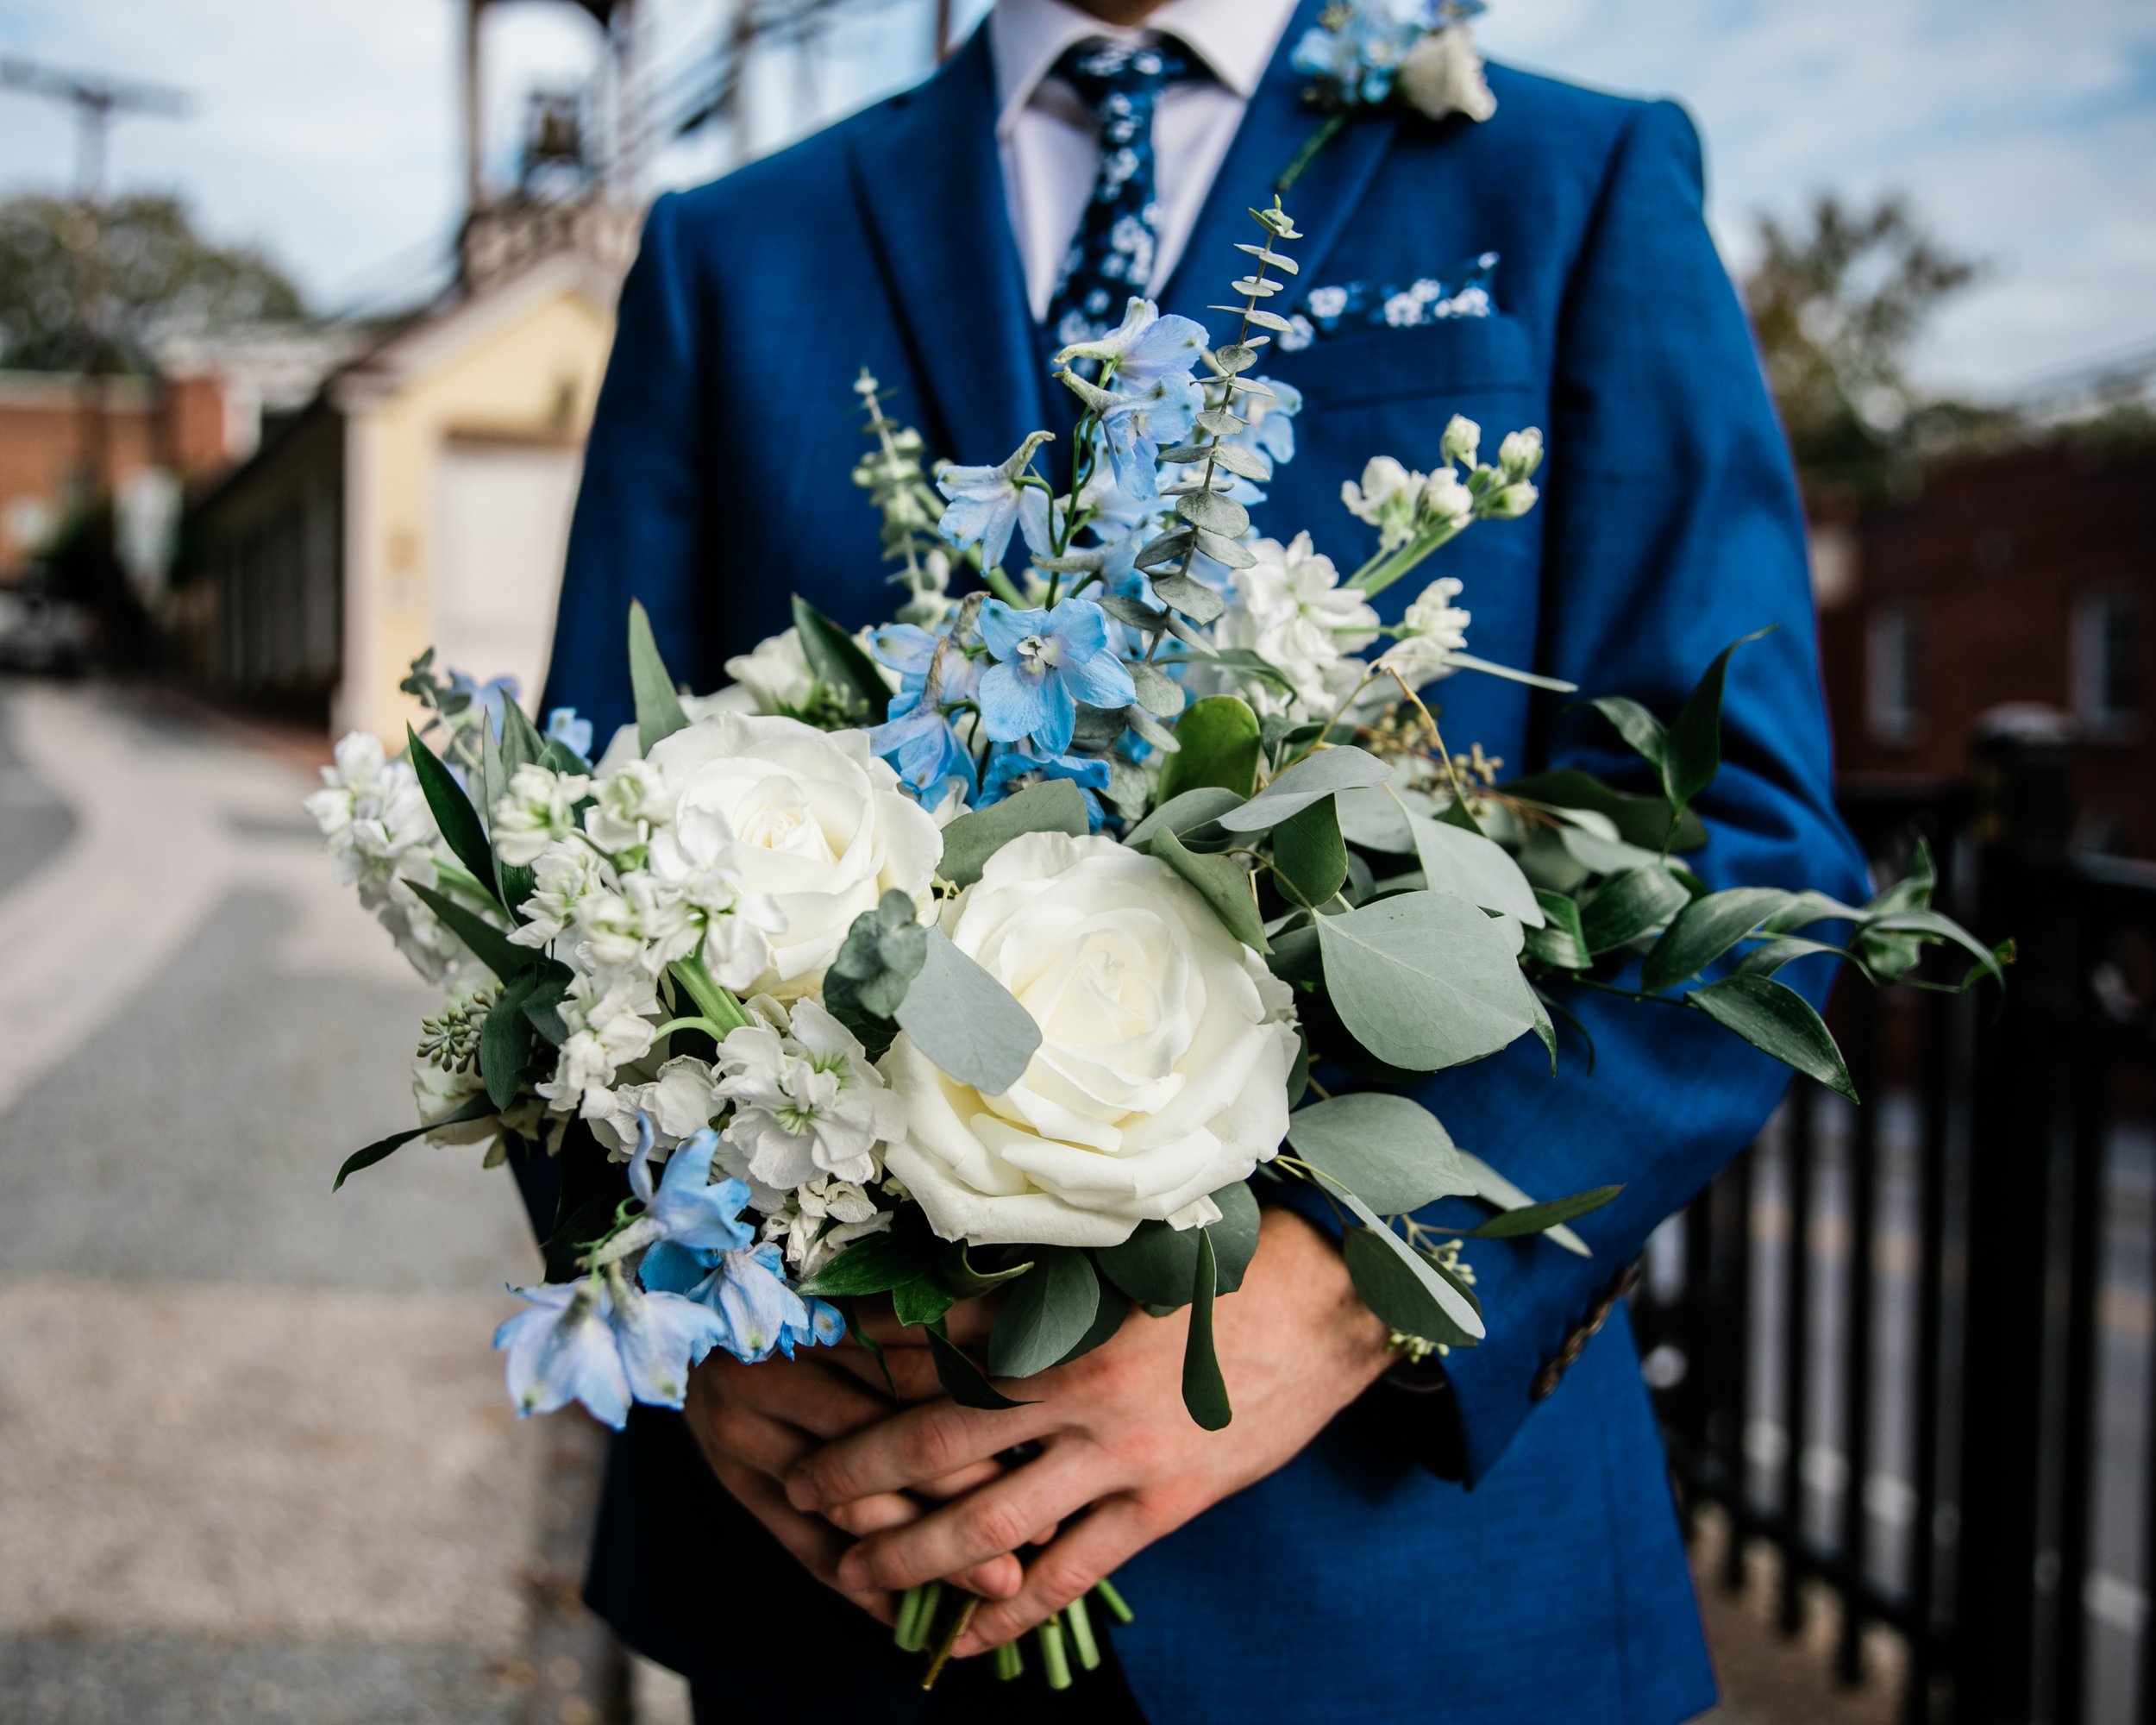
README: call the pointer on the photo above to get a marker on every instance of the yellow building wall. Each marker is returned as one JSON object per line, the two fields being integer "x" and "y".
{"x": 530, "y": 379}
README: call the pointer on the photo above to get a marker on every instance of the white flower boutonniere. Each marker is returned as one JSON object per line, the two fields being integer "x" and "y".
{"x": 1363, "y": 53}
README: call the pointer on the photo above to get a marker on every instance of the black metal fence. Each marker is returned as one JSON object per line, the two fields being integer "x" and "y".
{"x": 1911, "y": 1347}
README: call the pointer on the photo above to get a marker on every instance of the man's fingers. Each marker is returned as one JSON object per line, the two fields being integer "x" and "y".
{"x": 815, "y": 1543}
{"x": 910, "y": 1449}
{"x": 1109, "y": 1537}
{"x": 999, "y": 1517}
{"x": 912, "y": 1369}
{"x": 967, "y": 1323}
{"x": 730, "y": 1432}
{"x": 824, "y": 1402}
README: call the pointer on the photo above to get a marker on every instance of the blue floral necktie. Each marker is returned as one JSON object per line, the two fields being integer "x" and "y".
{"x": 1110, "y": 255}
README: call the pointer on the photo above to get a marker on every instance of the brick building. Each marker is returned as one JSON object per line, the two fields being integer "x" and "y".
{"x": 2025, "y": 580}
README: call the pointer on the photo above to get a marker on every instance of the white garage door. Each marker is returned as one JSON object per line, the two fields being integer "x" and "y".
{"x": 504, "y": 525}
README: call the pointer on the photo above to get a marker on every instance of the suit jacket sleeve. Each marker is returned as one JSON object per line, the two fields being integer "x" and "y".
{"x": 1672, "y": 528}
{"x": 639, "y": 530}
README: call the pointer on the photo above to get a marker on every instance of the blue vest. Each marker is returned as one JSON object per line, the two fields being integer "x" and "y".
{"x": 1551, "y": 1584}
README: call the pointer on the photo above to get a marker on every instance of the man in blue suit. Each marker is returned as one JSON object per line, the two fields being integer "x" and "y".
{"x": 1495, "y": 1542}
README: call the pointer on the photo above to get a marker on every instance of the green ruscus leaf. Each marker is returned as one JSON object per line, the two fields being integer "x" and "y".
{"x": 659, "y": 713}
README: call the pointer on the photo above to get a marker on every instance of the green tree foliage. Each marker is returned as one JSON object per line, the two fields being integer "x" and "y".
{"x": 136, "y": 268}
{"x": 1839, "y": 304}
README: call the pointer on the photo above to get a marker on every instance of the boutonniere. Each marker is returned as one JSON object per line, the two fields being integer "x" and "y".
{"x": 1364, "y": 53}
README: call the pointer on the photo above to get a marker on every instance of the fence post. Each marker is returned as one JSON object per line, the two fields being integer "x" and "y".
{"x": 2025, "y": 790}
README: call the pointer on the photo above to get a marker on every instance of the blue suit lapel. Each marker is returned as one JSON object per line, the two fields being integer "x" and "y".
{"x": 931, "y": 184}
{"x": 1274, "y": 128}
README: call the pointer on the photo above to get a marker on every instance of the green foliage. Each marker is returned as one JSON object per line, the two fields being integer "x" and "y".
{"x": 1704, "y": 930}
{"x": 1309, "y": 781}
{"x": 1155, "y": 1264}
{"x": 461, "y": 829}
{"x": 1777, "y": 1020}
{"x": 659, "y": 713}
{"x": 839, "y": 663}
{"x": 877, "y": 1262}
{"x": 1629, "y": 905}
{"x": 921, "y": 1300}
{"x": 488, "y": 943}
{"x": 1561, "y": 942}
{"x": 591, "y": 1191}
{"x": 1184, "y": 814}
{"x": 1053, "y": 805}
{"x": 477, "y": 1109}
{"x": 1045, "y": 1313}
{"x": 1469, "y": 866}
{"x": 1309, "y": 856}
{"x": 1535, "y": 1219}
{"x": 966, "y": 1021}
{"x": 1644, "y": 821}
{"x": 1222, "y": 882}
{"x": 1399, "y": 1284}
{"x": 506, "y": 1040}
{"x": 1388, "y": 1150}
{"x": 883, "y": 952}
{"x": 1205, "y": 1393}
{"x": 1424, "y": 980}
{"x": 149, "y": 270}
{"x": 961, "y": 1379}
{"x": 1217, "y": 739}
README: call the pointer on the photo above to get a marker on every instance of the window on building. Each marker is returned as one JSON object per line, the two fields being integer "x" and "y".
{"x": 2110, "y": 694}
{"x": 1893, "y": 669}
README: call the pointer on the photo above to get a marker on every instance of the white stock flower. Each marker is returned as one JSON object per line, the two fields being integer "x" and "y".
{"x": 1463, "y": 437}
{"x": 1443, "y": 74}
{"x": 776, "y": 678}
{"x": 375, "y": 818}
{"x": 565, "y": 875}
{"x": 639, "y": 922}
{"x": 817, "y": 1220}
{"x": 1446, "y": 501}
{"x": 1520, "y": 454}
{"x": 1431, "y": 631}
{"x": 679, "y": 1101}
{"x": 610, "y": 1020}
{"x": 1290, "y": 607}
{"x": 538, "y": 807}
{"x": 817, "y": 823}
{"x": 1387, "y": 498}
{"x": 626, "y": 805}
{"x": 1162, "y": 1075}
{"x": 806, "y": 1101}
{"x": 699, "y": 863}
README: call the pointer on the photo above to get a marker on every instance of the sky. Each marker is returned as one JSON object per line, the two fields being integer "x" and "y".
{"x": 327, "y": 132}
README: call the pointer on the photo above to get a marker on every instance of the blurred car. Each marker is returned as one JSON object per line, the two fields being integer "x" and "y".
{"x": 39, "y": 633}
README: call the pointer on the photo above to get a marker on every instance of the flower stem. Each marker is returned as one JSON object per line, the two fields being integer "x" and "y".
{"x": 1308, "y": 154}
{"x": 1082, "y": 1635}
{"x": 1053, "y": 1655}
{"x": 1113, "y": 1600}
{"x": 950, "y": 1640}
{"x": 1000, "y": 585}
{"x": 716, "y": 1002}
{"x": 1009, "y": 1661}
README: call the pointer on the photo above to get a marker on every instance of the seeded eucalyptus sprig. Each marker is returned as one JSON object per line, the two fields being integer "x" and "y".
{"x": 1212, "y": 521}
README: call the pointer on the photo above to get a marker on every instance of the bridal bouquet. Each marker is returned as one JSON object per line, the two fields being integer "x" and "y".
{"x": 1018, "y": 944}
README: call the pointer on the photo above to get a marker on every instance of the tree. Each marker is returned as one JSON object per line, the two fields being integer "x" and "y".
{"x": 77, "y": 282}
{"x": 1837, "y": 309}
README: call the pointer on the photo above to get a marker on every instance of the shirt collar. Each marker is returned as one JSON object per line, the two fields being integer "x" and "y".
{"x": 1234, "y": 38}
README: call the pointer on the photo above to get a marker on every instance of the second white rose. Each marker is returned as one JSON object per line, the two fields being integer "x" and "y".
{"x": 1162, "y": 1075}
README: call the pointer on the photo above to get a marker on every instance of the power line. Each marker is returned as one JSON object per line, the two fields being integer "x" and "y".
{"x": 97, "y": 101}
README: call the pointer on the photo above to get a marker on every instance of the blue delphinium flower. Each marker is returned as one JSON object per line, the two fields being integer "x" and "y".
{"x": 1357, "y": 52}
{"x": 660, "y": 1336}
{"x": 688, "y": 1213}
{"x": 573, "y": 734}
{"x": 1047, "y": 662}
{"x": 486, "y": 697}
{"x": 988, "y": 503}
{"x": 562, "y": 1349}
{"x": 921, "y": 742}
{"x": 1013, "y": 766}
{"x": 1147, "y": 347}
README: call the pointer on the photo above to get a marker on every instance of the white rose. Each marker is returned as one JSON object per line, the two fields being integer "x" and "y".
{"x": 1443, "y": 74}
{"x": 817, "y": 823}
{"x": 775, "y": 678}
{"x": 1162, "y": 1070}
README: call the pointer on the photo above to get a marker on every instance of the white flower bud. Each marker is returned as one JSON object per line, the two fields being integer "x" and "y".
{"x": 1463, "y": 437}
{"x": 1446, "y": 500}
{"x": 1520, "y": 455}
{"x": 1511, "y": 501}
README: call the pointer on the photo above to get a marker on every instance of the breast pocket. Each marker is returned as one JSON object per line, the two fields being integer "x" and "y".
{"x": 1482, "y": 357}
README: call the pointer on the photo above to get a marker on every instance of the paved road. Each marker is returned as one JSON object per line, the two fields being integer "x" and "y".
{"x": 255, "y": 1462}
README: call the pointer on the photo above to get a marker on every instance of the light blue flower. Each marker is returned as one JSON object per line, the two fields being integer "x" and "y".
{"x": 758, "y": 1314}
{"x": 1047, "y": 662}
{"x": 687, "y": 1209}
{"x": 988, "y": 503}
{"x": 925, "y": 747}
{"x": 1013, "y": 766}
{"x": 573, "y": 734}
{"x": 1144, "y": 349}
{"x": 1357, "y": 53}
{"x": 486, "y": 697}
{"x": 661, "y": 1336}
{"x": 562, "y": 1349}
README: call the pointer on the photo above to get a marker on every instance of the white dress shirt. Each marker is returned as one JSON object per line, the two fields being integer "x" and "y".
{"x": 1046, "y": 135}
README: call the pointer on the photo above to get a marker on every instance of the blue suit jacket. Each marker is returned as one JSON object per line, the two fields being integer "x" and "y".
{"x": 1551, "y": 1584}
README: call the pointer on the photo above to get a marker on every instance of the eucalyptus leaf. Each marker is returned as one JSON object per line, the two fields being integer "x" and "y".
{"x": 961, "y": 1379}
{"x": 1315, "y": 776}
{"x": 1371, "y": 816}
{"x": 874, "y": 1265}
{"x": 1045, "y": 1313}
{"x": 1217, "y": 739}
{"x": 1535, "y": 1219}
{"x": 1451, "y": 1299}
{"x": 1424, "y": 980}
{"x": 1561, "y": 942}
{"x": 1114, "y": 1308}
{"x": 966, "y": 1021}
{"x": 1704, "y": 930}
{"x": 1644, "y": 821}
{"x": 1388, "y": 1150}
{"x": 1639, "y": 727}
{"x": 1189, "y": 595}
{"x": 506, "y": 1040}
{"x": 1053, "y": 805}
{"x": 1628, "y": 905}
{"x": 1222, "y": 882}
{"x": 1493, "y": 1188}
{"x": 1184, "y": 814}
{"x": 1157, "y": 693}
{"x": 1777, "y": 1020}
{"x": 838, "y": 662}
{"x": 1205, "y": 1393}
{"x": 1395, "y": 1289}
{"x": 1214, "y": 513}
{"x": 1309, "y": 856}
{"x": 1470, "y": 867}
{"x": 659, "y": 713}
{"x": 1155, "y": 1264}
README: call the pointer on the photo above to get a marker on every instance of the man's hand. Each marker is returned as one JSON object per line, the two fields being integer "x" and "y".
{"x": 1296, "y": 1346}
{"x": 754, "y": 1422}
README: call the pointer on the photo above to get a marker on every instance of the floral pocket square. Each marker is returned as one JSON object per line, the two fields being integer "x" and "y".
{"x": 1463, "y": 291}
